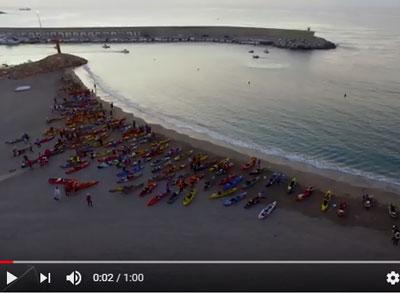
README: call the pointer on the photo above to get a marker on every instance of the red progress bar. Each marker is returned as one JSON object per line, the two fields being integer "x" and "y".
{"x": 6, "y": 261}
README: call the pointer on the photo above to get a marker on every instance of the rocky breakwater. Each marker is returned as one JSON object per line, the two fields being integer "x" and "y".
{"x": 49, "y": 64}
{"x": 315, "y": 43}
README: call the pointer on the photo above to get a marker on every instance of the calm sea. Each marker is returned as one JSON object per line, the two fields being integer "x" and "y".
{"x": 294, "y": 106}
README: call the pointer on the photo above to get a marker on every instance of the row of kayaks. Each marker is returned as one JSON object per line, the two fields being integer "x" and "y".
{"x": 189, "y": 197}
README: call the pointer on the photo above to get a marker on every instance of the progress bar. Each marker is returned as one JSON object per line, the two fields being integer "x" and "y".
{"x": 177, "y": 262}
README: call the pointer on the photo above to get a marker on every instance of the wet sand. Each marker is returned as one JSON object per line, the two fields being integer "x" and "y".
{"x": 122, "y": 227}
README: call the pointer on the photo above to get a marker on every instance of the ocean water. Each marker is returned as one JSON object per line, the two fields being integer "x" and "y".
{"x": 294, "y": 106}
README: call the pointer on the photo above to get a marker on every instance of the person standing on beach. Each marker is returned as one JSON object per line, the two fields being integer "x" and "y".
{"x": 57, "y": 193}
{"x": 25, "y": 137}
{"x": 89, "y": 200}
{"x": 112, "y": 105}
{"x": 180, "y": 185}
{"x": 259, "y": 163}
{"x": 134, "y": 123}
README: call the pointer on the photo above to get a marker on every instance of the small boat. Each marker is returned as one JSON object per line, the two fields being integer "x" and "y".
{"x": 25, "y": 9}
{"x": 266, "y": 51}
{"x": 265, "y": 212}
{"x": 340, "y": 211}
{"x": 393, "y": 211}
{"x": 105, "y": 46}
{"x": 235, "y": 199}
{"x": 326, "y": 201}
{"x": 251, "y": 51}
{"x": 9, "y": 41}
{"x": 292, "y": 185}
{"x": 256, "y": 56}
{"x": 367, "y": 200}
{"x": 254, "y": 201}
{"x": 125, "y": 51}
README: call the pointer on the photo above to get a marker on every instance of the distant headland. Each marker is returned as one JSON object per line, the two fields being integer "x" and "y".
{"x": 281, "y": 38}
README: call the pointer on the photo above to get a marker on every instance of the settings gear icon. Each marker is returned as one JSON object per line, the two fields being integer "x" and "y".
{"x": 392, "y": 278}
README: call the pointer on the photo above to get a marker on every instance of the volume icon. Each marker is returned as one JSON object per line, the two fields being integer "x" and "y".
{"x": 75, "y": 278}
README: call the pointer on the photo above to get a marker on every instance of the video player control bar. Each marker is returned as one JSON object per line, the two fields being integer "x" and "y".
{"x": 198, "y": 275}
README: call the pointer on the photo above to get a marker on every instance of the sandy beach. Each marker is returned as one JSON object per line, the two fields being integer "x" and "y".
{"x": 121, "y": 226}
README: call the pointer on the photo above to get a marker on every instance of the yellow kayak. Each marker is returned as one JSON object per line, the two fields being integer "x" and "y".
{"x": 188, "y": 199}
{"x": 326, "y": 201}
{"x": 102, "y": 154}
{"x": 116, "y": 189}
{"x": 51, "y": 131}
{"x": 139, "y": 153}
{"x": 203, "y": 158}
{"x": 184, "y": 155}
{"x": 222, "y": 193}
{"x": 216, "y": 166}
{"x": 74, "y": 159}
{"x": 160, "y": 142}
{"x": 163, "y": 147}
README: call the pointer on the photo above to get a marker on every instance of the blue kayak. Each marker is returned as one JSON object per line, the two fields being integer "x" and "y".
{"x": 133, "y": 170}
{"x": 274, "y": 178}
{"x": 235, "y": 199}
{"x": 233, "y": 183}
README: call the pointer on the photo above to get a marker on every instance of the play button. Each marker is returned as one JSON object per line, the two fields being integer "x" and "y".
{"x": 10, "y": 278}
{"x": 44, "y": 278}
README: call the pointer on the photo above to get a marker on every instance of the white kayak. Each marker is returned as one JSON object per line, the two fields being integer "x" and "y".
{"x": 267, "y": 210}
{"x": 22, "y": 88}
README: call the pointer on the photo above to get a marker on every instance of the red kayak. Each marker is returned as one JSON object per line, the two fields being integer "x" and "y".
{"x": 227, "y": 166}
{"x": 148, "y": 189}
{"x": 194, "y": 179}
{"x": 157, "y": 198}
{"x": 250, "y": 164}
{"x": 108, "y": 159}
{"x": 153, "y": 154}
{"x": 77, "y": 168}
{"x": 84, "y": 185}
{"x": 61, "y": 180}
{"x": 227, "y": 179}
{"x": 114, "y": 143}
{"x": 47, "y": 139}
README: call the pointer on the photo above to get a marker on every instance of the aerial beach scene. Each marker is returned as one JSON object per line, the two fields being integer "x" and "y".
{"x": 211, "y": 130}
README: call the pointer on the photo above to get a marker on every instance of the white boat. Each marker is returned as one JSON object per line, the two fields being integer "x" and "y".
{"x": 25, "y": 9}
{"x": 267, "y": 210}
{"x": 125, "y": 51}
{"x": 9, "y": 41}
{"x": 266, "y": 51}
{"x": 22, "y": 88}
{"x": 105, "y": 46}
{"x": 256, "y": 56}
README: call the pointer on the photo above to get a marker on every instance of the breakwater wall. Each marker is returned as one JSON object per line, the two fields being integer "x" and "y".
{"x": 293, "y": 39}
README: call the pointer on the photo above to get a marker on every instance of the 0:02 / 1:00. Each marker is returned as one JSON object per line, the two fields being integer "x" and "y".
{"x": 109, "y": 277}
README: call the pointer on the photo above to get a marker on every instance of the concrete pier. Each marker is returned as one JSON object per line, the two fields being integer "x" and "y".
{"x": 227, "y": 34}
